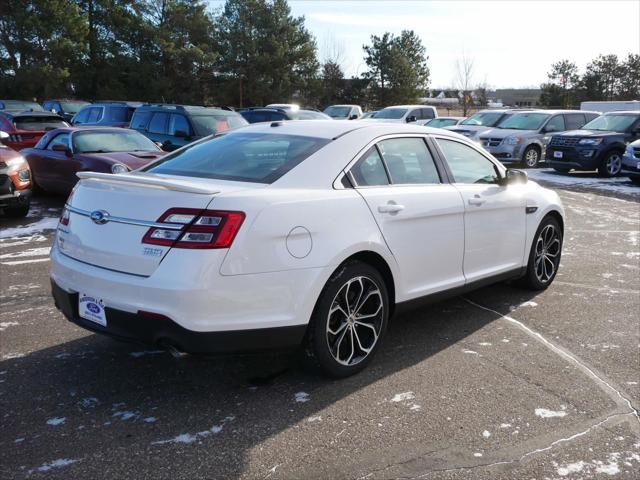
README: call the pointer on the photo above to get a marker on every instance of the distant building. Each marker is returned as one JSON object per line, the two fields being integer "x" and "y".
{"x": 515, "y": 97}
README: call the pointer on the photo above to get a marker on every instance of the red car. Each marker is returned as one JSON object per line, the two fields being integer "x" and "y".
{"x": 63, "y": 152}
{"x": 26, "y": 128}
{"x": 15, "y": 181}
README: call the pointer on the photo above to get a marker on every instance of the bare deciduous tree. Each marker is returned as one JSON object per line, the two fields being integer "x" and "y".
{"x": 464, "y": 80}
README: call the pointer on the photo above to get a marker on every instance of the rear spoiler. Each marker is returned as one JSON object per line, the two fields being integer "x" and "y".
{"x": 169, "y": 184}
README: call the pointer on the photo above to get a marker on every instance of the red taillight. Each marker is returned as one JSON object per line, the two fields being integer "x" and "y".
{"x": 64, "y": 218}
{"x": 199, "y": 228}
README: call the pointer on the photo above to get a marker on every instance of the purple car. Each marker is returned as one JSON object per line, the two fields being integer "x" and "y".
{"x": 63, "y": 152}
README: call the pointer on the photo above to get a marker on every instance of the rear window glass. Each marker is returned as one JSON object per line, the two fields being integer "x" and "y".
{"x": 38, "y": 123}
{"x": 247, "y": 157}
{"x": 211, "y": 124}
{"x": 119, "y": 114}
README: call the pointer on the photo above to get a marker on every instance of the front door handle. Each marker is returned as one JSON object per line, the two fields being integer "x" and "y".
{"x": 476, "y": 201}
{"x": 390, "y": 208}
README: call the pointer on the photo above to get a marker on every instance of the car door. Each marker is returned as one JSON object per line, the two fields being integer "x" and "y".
{"x": 179, "y": 123}
{"x": 157, "y": 130}
{"x": 495, "y": 223}
{"x": 55, "y": 168}
{"x": 420, "y": 216}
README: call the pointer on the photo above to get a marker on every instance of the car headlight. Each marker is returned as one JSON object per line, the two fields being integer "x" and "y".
{"x": 513, "y": 140}
{"x": 590, "y": 141}
{"x": 119, "y": 168}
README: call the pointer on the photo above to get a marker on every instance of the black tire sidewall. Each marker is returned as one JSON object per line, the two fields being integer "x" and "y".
{"x": 317, "y": 348}
{"x": 602, "y": 170}
{"x": 530, "y": 277}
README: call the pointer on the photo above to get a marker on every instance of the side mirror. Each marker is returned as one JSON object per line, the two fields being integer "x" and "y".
{"x": 353, "y": 117}
{"x": 59, "y": 147}
{"x": 159, "y": 144}
{"x": 514, "y": 176}
{"x": 180, "y": 134}
{"x": 412, "y": 118}
{"x": 550, "y": 129}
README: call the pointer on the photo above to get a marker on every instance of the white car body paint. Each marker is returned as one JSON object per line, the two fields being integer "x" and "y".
{"x": 297, "y": 232}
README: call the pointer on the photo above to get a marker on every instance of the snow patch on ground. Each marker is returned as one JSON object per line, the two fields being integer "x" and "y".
{"x": 56, "y": 421}
{"x": 30, "y": 252}
{"x": 188, "y": 438}
{"x": 30, "y": 229}
{"x": 5, "y": 325}
{"x": 619, "y": 184}
{"x": 403, "y": 397}
{"x": 59, "y": 463}
{"x": 301, "y": 397}
{"x": 146, "y": 352}
{"x": 486, "y": 434}
{"x": 544, "y": 413}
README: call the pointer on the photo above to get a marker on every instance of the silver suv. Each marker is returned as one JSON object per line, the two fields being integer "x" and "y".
{"x": 482, "y": 121}
{"x": 523, "y": 137}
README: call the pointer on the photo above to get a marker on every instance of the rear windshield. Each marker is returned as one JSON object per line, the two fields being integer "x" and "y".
{"x": 524, "y": 121}
{"x": 72, "y": 107}
{"x": 611, "y": 123}
{"x": 441, "y": 122}
{"x": 111, "y": 141}
{"x": 338, "y": 112}
{"x": 309, "y": 115}
{"x": 245, "y": 157}
{"x": 211, "y": 124}
{"x": 38, "y": 123}
{"x": 485, "y": 119}
{"x": 119, "y": 114}
{"x": 391, "y": 113}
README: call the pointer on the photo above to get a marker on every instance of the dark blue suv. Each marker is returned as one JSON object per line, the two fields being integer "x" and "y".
{"x": 600, "y": 144}
{"x": 174, "y": 126}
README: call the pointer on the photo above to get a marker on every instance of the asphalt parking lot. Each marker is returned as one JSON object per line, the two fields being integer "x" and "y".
{"x": 499, "y": 384}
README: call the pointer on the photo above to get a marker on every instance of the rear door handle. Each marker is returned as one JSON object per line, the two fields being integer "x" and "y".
{"x": 476, "y": 201}
{"x": 390, "y": 208}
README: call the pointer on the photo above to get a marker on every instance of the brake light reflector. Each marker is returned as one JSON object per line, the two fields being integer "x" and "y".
{"x": 199, "y": 228}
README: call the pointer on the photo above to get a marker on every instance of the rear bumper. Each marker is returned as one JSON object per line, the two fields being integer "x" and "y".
{"x": 157, "y": 331}
{"x": 194, "y": 296}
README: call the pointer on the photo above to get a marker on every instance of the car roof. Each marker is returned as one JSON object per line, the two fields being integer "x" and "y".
{"x": 65, "y": 100}
{"x": 448, "y": 118}
{"x": 28, "y": 113}
{"x": 332, "y": 130}
{"x": 193, "y": 109}
{"x": 343, "y": 105}
{"x": 409, "y": 106}
{"x": 623, "y": 112}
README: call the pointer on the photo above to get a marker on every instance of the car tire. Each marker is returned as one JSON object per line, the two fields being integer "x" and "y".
{"x": 544, "y": 257}
{"x": 562, "y": 170}
{"x": 611, "y": 164}
{"x": 531, "y": 157}
{"x": 18, "y": 211}
{"x": 345, "y": 330}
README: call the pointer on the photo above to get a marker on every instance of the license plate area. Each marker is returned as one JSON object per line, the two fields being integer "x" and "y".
{"x": 92, "y": 308}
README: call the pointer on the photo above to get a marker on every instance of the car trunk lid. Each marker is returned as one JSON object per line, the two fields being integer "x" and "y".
{"x": 110, "y": 214}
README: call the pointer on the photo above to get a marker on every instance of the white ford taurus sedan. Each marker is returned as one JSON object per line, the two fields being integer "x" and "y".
{"x": 297, "y": 233}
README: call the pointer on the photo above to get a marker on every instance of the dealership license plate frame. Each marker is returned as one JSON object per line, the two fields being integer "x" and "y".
{"x": 557, "y": 154}
{"x": 92, "y": 308}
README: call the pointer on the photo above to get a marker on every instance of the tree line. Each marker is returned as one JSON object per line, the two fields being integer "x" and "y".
{"x": 249, "y": 52}
{"x": 605, "y": 78}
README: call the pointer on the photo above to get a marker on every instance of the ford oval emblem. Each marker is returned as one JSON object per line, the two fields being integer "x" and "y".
{"x": 93, "y": 308}
{"x": 100, "y": 217}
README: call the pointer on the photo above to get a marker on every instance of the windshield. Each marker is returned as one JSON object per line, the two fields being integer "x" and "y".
{"x": 524, "y": 121}
{"x": 111, "y": 141}
{"x": 211, "y": 124}
{"x": 485, "y": 119}
{"x": 441, "y": 122}
{"x": 72, "y": 107}
{"x": 18, "y": 105}
{"x": 391, "y": 113}
{"x": 309, "y": 115}
{"x": 611, "y": 123}
{"x": 338, "y": 112}
{"x": 38, "y": 123}
{"x": 246, "y": 157}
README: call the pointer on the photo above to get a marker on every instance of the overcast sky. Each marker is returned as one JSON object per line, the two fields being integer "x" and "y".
{"x": 512, "y": 43}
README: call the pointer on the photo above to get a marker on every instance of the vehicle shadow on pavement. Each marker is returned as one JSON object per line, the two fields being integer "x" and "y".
{"x": 119, "y": 408}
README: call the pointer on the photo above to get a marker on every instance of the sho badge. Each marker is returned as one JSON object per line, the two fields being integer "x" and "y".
{"x": 152, "y": 252}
